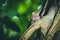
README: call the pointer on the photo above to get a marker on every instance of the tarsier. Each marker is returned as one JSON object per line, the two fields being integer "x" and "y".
{"x": 45, "y": 7}
{"x": 47, "y": 15}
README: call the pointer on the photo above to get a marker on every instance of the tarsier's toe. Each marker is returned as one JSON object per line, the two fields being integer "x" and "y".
{"x": 35, "y": 17}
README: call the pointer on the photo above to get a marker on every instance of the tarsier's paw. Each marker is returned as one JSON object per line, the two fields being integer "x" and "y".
{"x": 34, "y": 17}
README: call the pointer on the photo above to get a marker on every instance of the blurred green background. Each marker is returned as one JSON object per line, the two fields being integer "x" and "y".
{"x": 15, "y": 16}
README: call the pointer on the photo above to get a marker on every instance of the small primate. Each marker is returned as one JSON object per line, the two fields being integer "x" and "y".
{"x": 46, "y": 5}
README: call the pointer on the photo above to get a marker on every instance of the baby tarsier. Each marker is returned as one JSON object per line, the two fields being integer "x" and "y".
{"x": 43, "y": 20}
